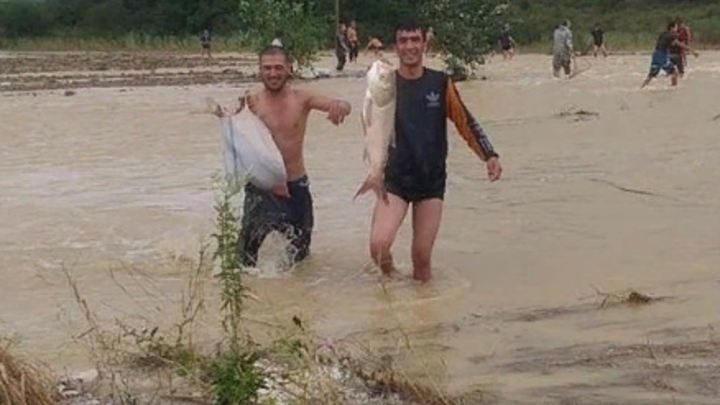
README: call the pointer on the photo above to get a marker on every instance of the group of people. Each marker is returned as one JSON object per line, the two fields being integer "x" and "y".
{"x": 415, "y": 174}
{"x": 562, "y": 45}
{"x": 671, "y": 51}
{"x": 346, "y": 44}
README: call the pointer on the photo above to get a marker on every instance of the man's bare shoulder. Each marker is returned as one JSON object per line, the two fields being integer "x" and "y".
{"x": 308, "y": 98}
{"x": 304, "y": 95}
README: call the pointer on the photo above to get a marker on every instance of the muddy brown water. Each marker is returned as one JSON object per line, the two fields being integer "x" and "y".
{"x": 628, "y": 198}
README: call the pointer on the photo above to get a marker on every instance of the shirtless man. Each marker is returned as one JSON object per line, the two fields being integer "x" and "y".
{"x": 353, "y": 44}
{"x": 285, "y": 112}
{"x": 416, "y": 169}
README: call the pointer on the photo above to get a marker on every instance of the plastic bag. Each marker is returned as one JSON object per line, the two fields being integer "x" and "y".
{"x": 250, "y": 153}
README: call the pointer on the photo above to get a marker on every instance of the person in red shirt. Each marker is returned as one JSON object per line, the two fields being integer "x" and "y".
{"x": 685, "y": 37}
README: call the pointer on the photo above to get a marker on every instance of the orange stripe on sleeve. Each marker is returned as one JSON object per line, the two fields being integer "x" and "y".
{"x": 467, "y": 126}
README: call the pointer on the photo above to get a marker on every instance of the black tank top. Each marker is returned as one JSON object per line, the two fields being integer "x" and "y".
{"x": 421, "y": 130}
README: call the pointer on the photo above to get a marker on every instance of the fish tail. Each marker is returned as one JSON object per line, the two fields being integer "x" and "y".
{"x": 372, "y": 183}
{"x": 364, "y": 188}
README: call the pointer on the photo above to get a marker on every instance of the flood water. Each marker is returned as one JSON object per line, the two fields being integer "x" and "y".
{"x": 112, "y": 185}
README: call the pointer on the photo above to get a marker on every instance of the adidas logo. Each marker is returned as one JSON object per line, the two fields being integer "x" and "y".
{"x": 433, "y": 99}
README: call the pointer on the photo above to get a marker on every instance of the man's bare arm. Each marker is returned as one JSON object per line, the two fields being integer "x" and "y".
{"x": 685, "y": 47}
{"x": 337, "y": 109}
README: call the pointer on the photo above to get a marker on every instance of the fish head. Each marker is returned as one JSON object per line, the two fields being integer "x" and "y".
{"x": 381, "y": 82}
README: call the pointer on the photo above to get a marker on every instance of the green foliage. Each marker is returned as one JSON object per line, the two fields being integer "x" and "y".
{"x": 375, "y": 18}
{"x": 228, "y": 255}
{"x": 298, "y": 23}
{"x": 22, "y": 19}
{"x": 235, "y": 379}
{"x": 464, "y": 29}
{"x": 233, "y": 376}
{"x": 106, "y": 18}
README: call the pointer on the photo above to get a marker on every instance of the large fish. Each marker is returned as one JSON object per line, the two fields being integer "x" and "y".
{"x": 378, "y": 121}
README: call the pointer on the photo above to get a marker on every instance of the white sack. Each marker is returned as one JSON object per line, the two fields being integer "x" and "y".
{"x": 250, "y": 151}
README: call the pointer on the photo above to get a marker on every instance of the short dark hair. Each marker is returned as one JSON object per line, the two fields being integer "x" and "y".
{"x": 274, "y": 50}
{"x": 410, "y": 24}
{"x": 672, "y": 24}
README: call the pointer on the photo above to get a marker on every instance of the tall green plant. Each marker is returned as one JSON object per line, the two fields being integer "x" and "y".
{"x": 464, "y": 29}
{"x": 234, "y": 377}
{"x": 302, "y": 28}
{"x": 227, "y": 255}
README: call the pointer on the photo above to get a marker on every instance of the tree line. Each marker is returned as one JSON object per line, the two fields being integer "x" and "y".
{"x": 532, "y": 20}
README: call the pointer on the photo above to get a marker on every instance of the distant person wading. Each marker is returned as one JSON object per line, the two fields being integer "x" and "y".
{"x": 663, "y": 59}
{"x": 598, "y": 36}
{"x": 562, "y": 49}
{"x": 341, "y": 47}
{"x": 507, "y": 43}
{"x": 352, "y": 42}
{"x": 205, "y": 43}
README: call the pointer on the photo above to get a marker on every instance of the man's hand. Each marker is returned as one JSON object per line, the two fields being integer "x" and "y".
{"x": 494, "y": 169}
{"x": 249, "y": 101}
{"x": 281, "y": 190}
{"x": 338, "y": 111}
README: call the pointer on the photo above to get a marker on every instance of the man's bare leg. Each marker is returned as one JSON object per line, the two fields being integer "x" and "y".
{"x": 426, "y": 223}
{"x": 674, "y": 79}
{"x": 386, "y": 221}
{"x": 646, "y": 82}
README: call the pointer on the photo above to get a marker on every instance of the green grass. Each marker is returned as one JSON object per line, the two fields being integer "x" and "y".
{"x": 128, "y": 42}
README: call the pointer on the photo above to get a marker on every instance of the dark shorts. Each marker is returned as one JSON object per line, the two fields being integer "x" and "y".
{"x": 598, "y": 43}
{"x": 412, "y": 189}
{"x": 507, "y": 47}
{"x": 206, "y": 45}
{"x": 660, "y": 61}
{"x": 264, "y": 212}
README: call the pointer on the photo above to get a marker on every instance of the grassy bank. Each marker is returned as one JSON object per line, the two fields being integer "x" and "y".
{"x": 615, "y": 42}
{"x": 128, "y": 42}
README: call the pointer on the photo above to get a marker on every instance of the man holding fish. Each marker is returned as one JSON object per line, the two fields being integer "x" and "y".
{"x": 287, "y": 207}
{"x": 405, "y": 124}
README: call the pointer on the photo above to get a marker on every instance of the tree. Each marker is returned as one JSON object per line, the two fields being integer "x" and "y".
{"x": 301, "y": 28}
{"x": 22, "y": 19}
{"x": 464, "y": 29}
